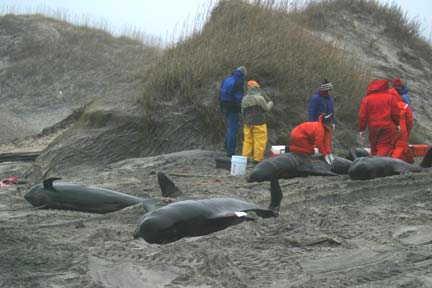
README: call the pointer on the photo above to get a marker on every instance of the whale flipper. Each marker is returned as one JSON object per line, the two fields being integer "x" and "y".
{"x": 225, "y": 220}
{"x": 316, "y": 168}
{"x": 168, "y": 188}
{"x": 48, "y": 183}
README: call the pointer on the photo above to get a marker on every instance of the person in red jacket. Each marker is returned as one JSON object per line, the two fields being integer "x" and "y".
{"x": 401, "y": 149}
{"x": 307, "y": 136}
{"x": 379, "y": 112}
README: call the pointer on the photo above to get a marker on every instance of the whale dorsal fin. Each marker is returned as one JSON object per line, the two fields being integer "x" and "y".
{"x": 48, "y": 183}
{"x": 168, "y": 188}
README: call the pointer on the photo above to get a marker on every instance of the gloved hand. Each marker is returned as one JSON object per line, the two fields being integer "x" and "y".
{"x": 270, "y": 104}
{"x": 334, "y": 126}
{"x": 329, "y": 158}
{"x": 361, "y": 138}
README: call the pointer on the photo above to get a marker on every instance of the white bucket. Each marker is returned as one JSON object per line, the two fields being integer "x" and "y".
{"x": 277, "y": 150}
{"x": 238, "y": 165}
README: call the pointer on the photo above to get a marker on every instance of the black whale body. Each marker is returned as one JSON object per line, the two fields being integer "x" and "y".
{"x": 55, "y": 194}
{"x": 191, "y": 218}
{"x": 290, "y": 165}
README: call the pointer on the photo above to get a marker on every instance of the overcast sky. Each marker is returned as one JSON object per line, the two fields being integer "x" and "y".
{"x": 163, "y": 18}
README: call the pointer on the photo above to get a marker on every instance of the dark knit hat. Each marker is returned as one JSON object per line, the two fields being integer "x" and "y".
{"x": 326, "y": 86}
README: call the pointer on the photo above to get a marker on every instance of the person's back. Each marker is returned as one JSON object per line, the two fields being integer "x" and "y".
{"x": 230, "y": 97}
{"x": 379, "y": 112}
{"x": 232, "y": 90}
{"x": 378, "y": 108}
{"x": 254, "y": 107}
{"x": 401, "y": 149}
{"x": 307, "y": 136}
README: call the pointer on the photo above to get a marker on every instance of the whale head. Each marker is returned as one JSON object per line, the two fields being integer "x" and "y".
{"x": 157, "y": 230}
{"x": 37, "y": 196}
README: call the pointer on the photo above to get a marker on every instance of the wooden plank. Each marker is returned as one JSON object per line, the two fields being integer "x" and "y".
{"x": 19, "y": 156}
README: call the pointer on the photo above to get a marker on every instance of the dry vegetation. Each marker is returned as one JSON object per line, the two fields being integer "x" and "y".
{"x": 277, "y": 51}
{"x": 273, "y": 41}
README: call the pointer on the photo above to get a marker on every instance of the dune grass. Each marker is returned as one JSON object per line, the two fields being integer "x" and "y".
{"x": 278, "y": 52}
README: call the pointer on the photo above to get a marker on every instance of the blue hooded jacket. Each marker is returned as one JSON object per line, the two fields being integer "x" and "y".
{"x": 232, "y": 88}
{"x": 404, "y": 94}
{"x": 318, "y": 105}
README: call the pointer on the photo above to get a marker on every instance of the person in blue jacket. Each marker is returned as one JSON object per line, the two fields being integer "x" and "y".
{"x": 231, "y": 94}
{"x": 403, "y": 92}
{"x": 321, "y": 102}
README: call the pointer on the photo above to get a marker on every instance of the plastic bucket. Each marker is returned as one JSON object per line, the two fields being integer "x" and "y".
{"x": 277, "y": 150}
{"x": 238, "y": 165}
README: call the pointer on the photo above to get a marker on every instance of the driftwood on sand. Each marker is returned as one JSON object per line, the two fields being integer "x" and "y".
{"x": 19, "y": 156}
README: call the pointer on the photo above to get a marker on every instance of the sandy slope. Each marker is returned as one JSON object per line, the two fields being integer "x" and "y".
{"x": 332, "y": 232}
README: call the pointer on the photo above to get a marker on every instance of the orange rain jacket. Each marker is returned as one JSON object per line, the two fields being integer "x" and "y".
{"x": 401, "y": 149}
{"x": 379, "y": 112}
{"x": 309, "y": 135}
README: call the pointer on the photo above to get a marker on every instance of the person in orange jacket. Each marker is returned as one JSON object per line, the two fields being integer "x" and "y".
{"x": 308, "y": 136}
{"x": 380, "y": 113}
{"x": 401, "y": 149}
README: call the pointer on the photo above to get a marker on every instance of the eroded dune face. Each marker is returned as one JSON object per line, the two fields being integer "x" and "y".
{"x": 50, "y": 68}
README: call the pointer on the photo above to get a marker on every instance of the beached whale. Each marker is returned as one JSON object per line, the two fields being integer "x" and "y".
{"x": 290, "y": 165}
{"x": 55, "y": 194}
{"x": 195, "y": 218}
{"x": 374, "y": 167}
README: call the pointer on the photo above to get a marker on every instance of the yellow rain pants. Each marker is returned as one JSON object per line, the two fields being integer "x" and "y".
{"x": 254, "y": 141}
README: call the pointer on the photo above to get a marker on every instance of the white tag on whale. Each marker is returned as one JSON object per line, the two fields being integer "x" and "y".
{"x": 240, "y": 214}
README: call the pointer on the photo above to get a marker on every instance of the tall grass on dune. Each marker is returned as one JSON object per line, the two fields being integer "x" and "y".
{"x": 84, "y": 22}
{"x": 278, "y": 52}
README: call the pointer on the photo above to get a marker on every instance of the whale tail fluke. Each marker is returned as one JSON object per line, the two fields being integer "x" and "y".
{"x": 427, "y": 159}
{"x": 167, "y": 186}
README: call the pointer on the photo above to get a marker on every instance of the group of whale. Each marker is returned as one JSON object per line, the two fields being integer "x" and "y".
{"x": 363, "y": 167}
{"x": 164, "y": 223}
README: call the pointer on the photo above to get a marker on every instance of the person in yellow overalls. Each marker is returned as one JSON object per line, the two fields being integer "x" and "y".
{"x": 254, "y": 107}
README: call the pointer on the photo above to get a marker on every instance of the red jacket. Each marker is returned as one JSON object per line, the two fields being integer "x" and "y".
{"x": 406, "y": 116}
{"x": 404, "y": 110}
{"x": 378, "y": 108}
{"x": 401, "y": 149}
{"x": 395, "y": 93}
{"x": 309, "y": 135}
